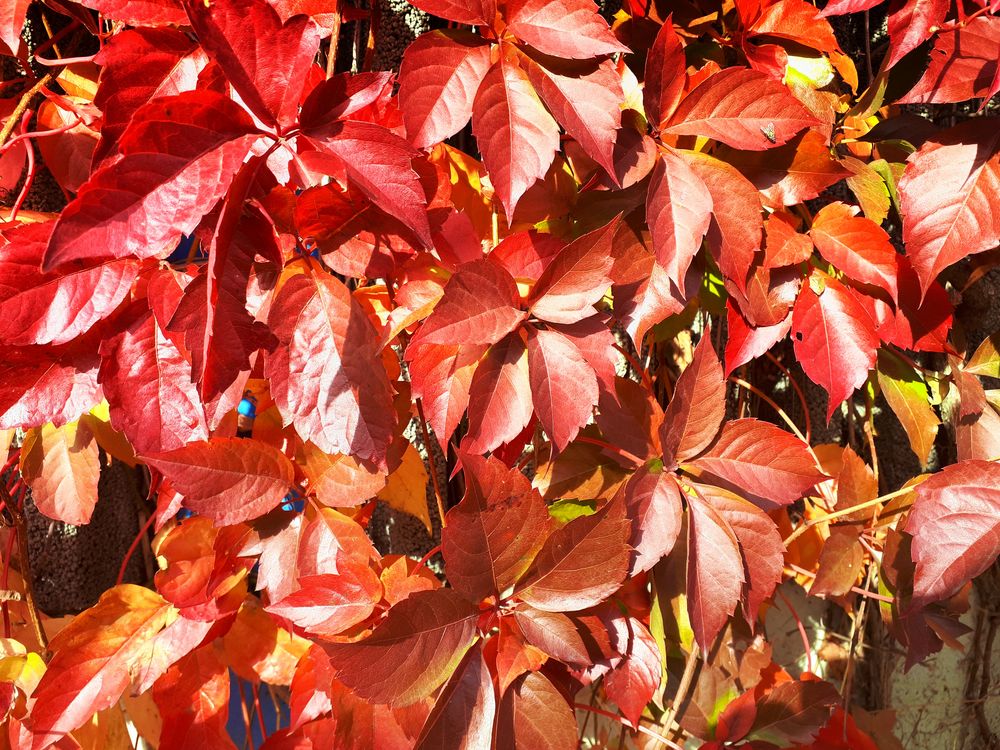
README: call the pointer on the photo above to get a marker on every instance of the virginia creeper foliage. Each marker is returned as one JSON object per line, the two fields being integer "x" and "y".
{"x": 573, "y": 282}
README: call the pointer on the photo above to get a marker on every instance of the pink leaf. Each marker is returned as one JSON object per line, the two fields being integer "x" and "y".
{"x": 576, "y": 279}
{"x": 326, "y": 375}
{"x": 834, "y": 337}
{"x": 263, "y": 58}
{"x": 438, "y": 81}
{"x": 517, "y": 136}
{"x": 500, "y": 397}
{"x": 666, "y": 75}
{"x": 563, "y": 386}
{"x": 679, "y": 213}
{"x": 955, "y": 524}
{"x": 562, "y": 28}
{"x": 585, "y": 98}
{"x": 653, "y": 504}
{"x": 946, "y": 198}
{"x": 715, "y": 572}
{"x": 147, "y": 382}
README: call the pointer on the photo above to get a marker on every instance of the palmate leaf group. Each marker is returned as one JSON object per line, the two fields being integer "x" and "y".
{"x": 575, "y": 293}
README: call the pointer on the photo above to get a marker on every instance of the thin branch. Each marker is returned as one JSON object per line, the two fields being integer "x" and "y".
{"x": 21, "y": 532}
{"x": 690, "y": 666}
{"x": 628, "y": 724}
{"x": 15, "y": 117}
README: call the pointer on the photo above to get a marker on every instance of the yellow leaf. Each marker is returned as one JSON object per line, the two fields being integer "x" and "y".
{"x": 406, "y": 488}
{"x": 114, "y": 443}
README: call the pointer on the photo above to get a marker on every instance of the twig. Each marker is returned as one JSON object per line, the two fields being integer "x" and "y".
{"x": 628, "y": 724}
{"x": 432, "y": 463}
{"x": 680, "y": 697}
{"x": 21, "y": 532}
{"x": 22, "y": 106}
{"x": 845, "y": 512}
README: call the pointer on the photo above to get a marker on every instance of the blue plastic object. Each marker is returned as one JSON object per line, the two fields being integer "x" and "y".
{"x": 247, "y": 408}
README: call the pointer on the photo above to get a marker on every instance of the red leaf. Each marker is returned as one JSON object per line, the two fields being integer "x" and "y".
{"x": 327, "y": 604}
{"x": 227, "y": 479}
{"x": 148, "y": 385}
{"x": 760, "y": 542}
{"x": 772, "y": 466}
{"x": 653, "y": 503}
{"x": 576, "y": 279}
{"x": 171, "y": 64}
{"x": 797, "y": 21}
{"x": 534, "y": 716}
{"x": 50, "y": 308}
{"x": 262, "y": 57}
{"x": 679, "y": 213}
{"x": 635, "y": 680}
{"x": 517, "y": 136}
{"x": 742, "y": 108}
{"x": 857, "y": 246}
{"x": 745, "y": 342}
{"x": 698, "y": 405}
{"x": 472, "y": 13}
{"x": 834, "y": 338}
{"x": 140, "y": 12}
{"x": 581, "y": 564}
{"x": 193, "y": 699}
{"x": 562, "y": 28}
{"x": 179, "y": 155}
{"x": 500, "y": 397}
{"x": 11, "y": 22}
{"x": 494, "y": 533}
{"x": 411, "y": 652}
{"x": 734, "y": 235}
{"x": 441, "y": 377}
{"x": 218, "y": 329}
{"x": 462, "y": 718}
{"x": 585, "y": 98}
{"x": 92, "y": 659}
{"x": 911, "y": 23}
{"x": 563, "y": 386}
{"x": 310, "y": 689}
{"x": 715, "y": 572}
{"x": 963, "y": 65}
{"x": 377, "y": 161}
{"x": 326, "y": 375}
{"x": 553, "y": 633}
{"x": 794, "y": 173}
{"x": 479, "y": 306}
{"x": 784, "y": 245}
{"x": 665, "y": 76}
{"x": 955, "y": 524}
{"x": 438, "y": 80}
{"x": 794, "y": 711}
{"x": 946, "y": 198}
{"x": 37, "y": 388}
